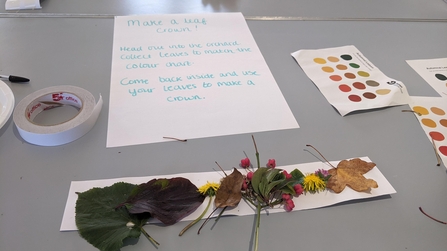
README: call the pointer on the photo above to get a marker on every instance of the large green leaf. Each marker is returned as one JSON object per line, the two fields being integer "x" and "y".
{"x": 101, "y": 223}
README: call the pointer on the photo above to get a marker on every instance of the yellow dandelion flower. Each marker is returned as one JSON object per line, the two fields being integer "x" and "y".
{"x": 313, "y": 183}
{"x": 209, "y": 188}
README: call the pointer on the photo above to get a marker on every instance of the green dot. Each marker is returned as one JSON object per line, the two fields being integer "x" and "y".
{"x": 440, "y": 77}
{"x": 354, "y": 65}
{"x": 346, "y": 57}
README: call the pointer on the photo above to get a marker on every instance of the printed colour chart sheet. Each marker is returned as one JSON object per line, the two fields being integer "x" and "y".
{"x": 349, "y": 81}
{"x": 434, "y": 71}
{"x": 432, "y": 115}
{"x": 190, "y": 76}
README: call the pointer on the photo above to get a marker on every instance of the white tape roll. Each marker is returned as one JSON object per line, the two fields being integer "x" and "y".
{"x": 52, "y": 97}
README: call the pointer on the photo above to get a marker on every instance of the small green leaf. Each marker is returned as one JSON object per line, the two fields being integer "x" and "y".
{"x": 270, "y": 186}
{"x": 298, "y": 176}
{"x": 100, "y": 223}
{"x": 257, "y": 177}
{"x": 272, "y": 174}
{"x": 288, "y": 189}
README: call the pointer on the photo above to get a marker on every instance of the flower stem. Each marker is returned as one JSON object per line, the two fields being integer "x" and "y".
{"x": 257, "y": 153}
{"x": 149, "y": 237}
{"x": 258, "y": 222}
{"x": 198, "y": 218}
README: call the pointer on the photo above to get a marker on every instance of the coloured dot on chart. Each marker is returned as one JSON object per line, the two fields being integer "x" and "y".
{"x": 369, "y": 95}
{"x": 341, "y": 67}
{"x": 363, "y": 74}
{"x": 421, "y": 110}
{"x": 437, "y": 111}
{"x": 346, "y": 57}
{"x": 333, "y": 59}
{"x": 354, "y": 98}
{"x": 349, "y": 75}
{"x": 344, "y": 88}
{"x": 428, "y": 122}
{"x": 441, "y": 77}
{"x": 443, "y": 122}
{"x": 443, "y": 150}
{"x": 327, "y": 69}
{"x": 383, "y": 91}
{"x": 359, "y": 85}
{"x": 353, "y": 65}
{"x": 436, "y": 136}
{"x": 372, "y": 83}
{"x": 319, "y": 60}
{"x": 335, "y": 77}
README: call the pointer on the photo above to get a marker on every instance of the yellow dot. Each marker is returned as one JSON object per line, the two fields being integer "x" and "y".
{"x": 319, "y": 60}
{"x": 327, "y": 69}
{"x": 421, "y": 110}
{"x": 383, "y": 91}
{"x": 333, "y": 59}
{"x": 437, "y": 111}
{"x": 428, "y": 123}
{"x": 363, "y": 74}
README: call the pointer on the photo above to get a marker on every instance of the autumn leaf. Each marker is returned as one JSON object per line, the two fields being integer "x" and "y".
{"x": 229, "y": 193}
{"x": 100, "y": 223}
{"x": 167, "y": 200}
{"x": 350, "y": 173}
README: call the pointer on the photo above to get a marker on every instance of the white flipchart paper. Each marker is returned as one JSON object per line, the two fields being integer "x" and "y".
{"x": 190, "y": 76}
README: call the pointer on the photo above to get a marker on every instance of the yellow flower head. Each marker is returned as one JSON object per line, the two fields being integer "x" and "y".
{"x": 209, "y": 188}
{"x": 313, "y": 183}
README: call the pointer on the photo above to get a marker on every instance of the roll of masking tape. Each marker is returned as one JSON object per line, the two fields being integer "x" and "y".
{"x": 52, "y": 97}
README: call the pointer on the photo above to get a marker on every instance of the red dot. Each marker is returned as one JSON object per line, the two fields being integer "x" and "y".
{"x": 359, "y": 85}
{"x": 335, "y": 77}
{"x": 355, "y": 98}
{"x": 443, "y": 150}
{"x": 436, "y": 136}
{"x": 344, "y": 88}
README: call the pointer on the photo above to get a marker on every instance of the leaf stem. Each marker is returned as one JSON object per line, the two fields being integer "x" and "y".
{"x": 422, "y": 211}
{"x": 321, "y": 155}
{"x": 198, "y": 218}
{"x": 149, "y": 237}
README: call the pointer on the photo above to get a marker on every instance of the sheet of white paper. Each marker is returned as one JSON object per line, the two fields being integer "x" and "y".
{"x": 432, "y": 115}
{"x": 22, "y": 4}
{"x": 349, "y": 81}
{"x": 434, "y": 71}
{"x": 302, "y": 202}
{"x": 190, "y": 76}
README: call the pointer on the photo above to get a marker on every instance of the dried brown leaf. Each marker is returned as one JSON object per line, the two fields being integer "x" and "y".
{"x": 229, "y": 193}
{"x": 350, "y": 173}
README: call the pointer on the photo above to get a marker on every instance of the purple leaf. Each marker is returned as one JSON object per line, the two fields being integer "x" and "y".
{"x": 167, "y": 200}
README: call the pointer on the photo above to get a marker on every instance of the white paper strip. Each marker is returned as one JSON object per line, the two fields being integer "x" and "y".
{"x": 302, "y": 202}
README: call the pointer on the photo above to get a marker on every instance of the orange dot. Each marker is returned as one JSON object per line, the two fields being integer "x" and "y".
{"x": 327, "y": 69}
{"x": 349, "y": 75}
{"x": 429, "y": 123}
{"x": 421, "y": 110}
{"x": 335, "y": 77}
{"x": 333, "y": 59}
{"x": 437, "y": 111}
{"x": 341, "y": 67}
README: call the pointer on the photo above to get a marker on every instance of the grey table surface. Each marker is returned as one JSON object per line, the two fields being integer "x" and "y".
{"x": 34, "y": 180}
{"x": 426, "y": 9}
